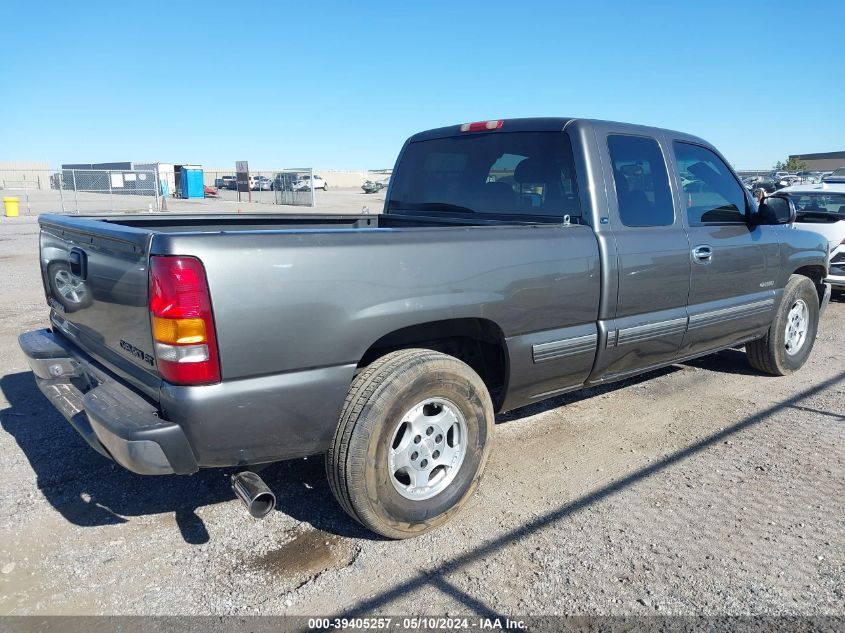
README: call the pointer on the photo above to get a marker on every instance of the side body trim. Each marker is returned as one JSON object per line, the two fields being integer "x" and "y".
{"x": 563, "y": 348}
{"x": 640, "y": 333}
{"x": 728, "y": 314}
{"x": 649, "y": 331}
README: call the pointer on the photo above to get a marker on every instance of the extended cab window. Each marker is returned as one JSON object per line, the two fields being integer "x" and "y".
{"x": 525, "y": 174}
{"x": 711, "y": 193}
{"x": 642, "y": 184}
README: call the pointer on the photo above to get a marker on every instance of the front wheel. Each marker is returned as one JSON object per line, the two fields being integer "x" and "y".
{"x": 789, "y": 341}
{"x": 412, "y": 442}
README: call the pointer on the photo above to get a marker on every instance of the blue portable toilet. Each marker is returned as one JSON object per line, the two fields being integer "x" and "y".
{"x": 192, "y": 182}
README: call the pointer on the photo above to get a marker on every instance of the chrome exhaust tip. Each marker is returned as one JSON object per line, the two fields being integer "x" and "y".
{"x": 254, "y": 493}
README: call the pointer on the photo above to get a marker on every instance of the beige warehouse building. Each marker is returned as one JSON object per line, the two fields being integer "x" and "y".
{"x": 24, "y": 175}
{"x": 827, "y": 161}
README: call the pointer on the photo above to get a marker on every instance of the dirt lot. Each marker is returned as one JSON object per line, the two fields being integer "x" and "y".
{"x": 703, "y": 488}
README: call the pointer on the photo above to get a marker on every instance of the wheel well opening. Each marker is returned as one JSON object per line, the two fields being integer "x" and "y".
{"x": 477, "y": 342}
{"x": 817, "y": 274}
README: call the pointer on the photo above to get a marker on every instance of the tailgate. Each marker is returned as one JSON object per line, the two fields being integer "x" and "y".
{"x": 96, "y": 279}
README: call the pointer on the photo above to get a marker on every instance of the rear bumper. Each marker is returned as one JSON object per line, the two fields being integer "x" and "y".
{"x": 115, "y": 420}
{"x": 233, "y": 423}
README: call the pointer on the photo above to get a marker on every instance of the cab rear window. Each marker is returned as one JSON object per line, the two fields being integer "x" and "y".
{"x": 529, "y": 175}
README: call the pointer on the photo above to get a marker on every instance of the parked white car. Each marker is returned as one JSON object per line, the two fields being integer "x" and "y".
{"x": 260, "y": 183}
{"x": 821, "y": 208}
{"x": 304, "y": 183}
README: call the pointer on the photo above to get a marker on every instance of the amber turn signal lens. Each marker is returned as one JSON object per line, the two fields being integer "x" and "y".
{"x": 179, "y": 331}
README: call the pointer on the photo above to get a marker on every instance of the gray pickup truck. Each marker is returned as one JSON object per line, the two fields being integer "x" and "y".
{"x": 515, "y": 260}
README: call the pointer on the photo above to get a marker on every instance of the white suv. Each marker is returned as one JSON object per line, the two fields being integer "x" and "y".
{"x": 821, "y": 208}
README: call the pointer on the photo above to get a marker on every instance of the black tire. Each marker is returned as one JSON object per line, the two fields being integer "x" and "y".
{"x": 378, "y": 399}
{"x": 57, "y": 269}
{"x": 769, "y": 354}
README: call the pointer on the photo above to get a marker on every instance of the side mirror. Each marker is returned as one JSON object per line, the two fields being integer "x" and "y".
{"x": 776, "y": 209}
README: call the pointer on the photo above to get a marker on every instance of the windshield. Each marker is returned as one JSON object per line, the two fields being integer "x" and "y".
{"x": 819, "y": 202}
{"x": 502, "y": 173}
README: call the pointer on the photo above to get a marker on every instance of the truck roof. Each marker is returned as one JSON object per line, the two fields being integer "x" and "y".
{"x": 554, "y": 124}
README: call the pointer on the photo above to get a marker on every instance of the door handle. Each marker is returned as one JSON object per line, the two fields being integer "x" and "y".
{"x": 78, "y": 263}
{"x": 702, "y": 254}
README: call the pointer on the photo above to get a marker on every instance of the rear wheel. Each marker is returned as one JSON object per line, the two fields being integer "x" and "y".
{"x": 412, "y": 442}
{"x": 789, "y": 341}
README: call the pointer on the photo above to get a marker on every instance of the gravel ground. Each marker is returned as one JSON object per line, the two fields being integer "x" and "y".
{"x": 702, "y": 488}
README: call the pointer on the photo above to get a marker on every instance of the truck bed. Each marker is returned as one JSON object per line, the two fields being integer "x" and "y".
{"x": 299, "y": 300}
{"x": 192, "y": 223}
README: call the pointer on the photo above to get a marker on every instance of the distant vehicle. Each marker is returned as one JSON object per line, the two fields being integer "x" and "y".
{"x": 837, "y": 175}
{"x": 223, "y": 182}
{"x": 304, "y": 183}
{"x": 748, "y": 182}
{"x": 284, "y": 181}
{"x": 809, "y": 177}
{"x": 210, "y": 192}
{"x": 232, "y": 184}
{"x": 765, "y": 183}
{"x": 786, "y": 180}
{"x": 373, "y": 186}
{"x": 260, "y": 183}
{"x": 821, "y": 208}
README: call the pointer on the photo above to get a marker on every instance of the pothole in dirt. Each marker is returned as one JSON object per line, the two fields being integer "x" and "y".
{"x": 308, "y": 555}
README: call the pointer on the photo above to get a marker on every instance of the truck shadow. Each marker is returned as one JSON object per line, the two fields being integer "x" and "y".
{"x": 438, "y": 575}
{"x": 729, "y": 361}
{"x": 580, "y": 394}
{"x": 89, "y": 490}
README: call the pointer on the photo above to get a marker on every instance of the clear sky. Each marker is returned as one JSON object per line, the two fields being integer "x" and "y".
{"x": 342, "y": 84}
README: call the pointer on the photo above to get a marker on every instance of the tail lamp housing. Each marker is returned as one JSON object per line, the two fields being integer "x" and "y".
{"x": 182, "y": 321}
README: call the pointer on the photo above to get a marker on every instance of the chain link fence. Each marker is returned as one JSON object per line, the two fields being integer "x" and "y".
{"x": 81, "y": 190}
{"x": 144, "y": 191}
{"x": 116, "y": 190}
{"x": 266, "y": 186}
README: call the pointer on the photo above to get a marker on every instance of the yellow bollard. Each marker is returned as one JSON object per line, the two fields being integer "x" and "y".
{"x": 12, "y": 206}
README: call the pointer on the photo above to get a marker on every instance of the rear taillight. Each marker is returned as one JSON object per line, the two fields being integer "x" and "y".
{"x": 182, "y": 322}
{"x": 482, "y": 126}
